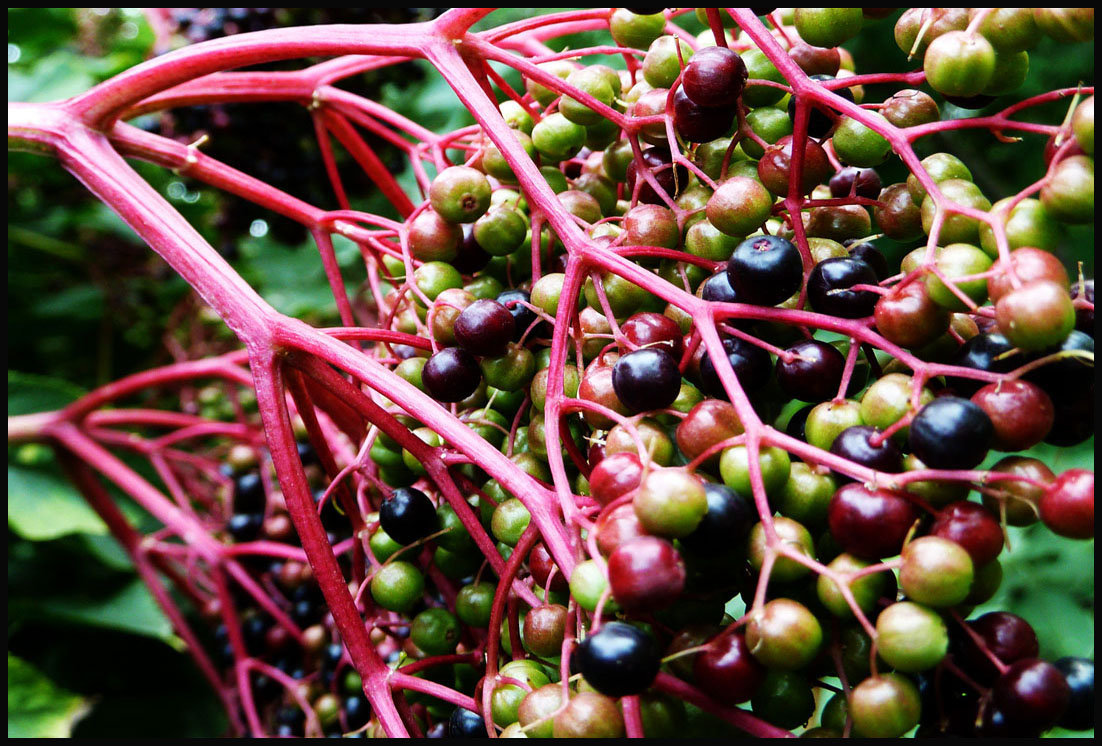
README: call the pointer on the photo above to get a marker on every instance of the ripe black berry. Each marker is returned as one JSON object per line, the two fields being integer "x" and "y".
{"x": 951, "y": 433}
{"x": 618, "y": 659}
{"x": 856, "y": 444}
{"x": 814, "y": 372}
{"x": 1079, "y": 673}
{"x": 750, "y": 363}
{"x": 523, "y": 316}
{"x": 819, "y": 123}
{"x": 726, "y": 524}
{"x": 408, "y": 515}
{"x": 828, "y": 288}
{"x": 646, "y": 379}
{"x": 984, "y": 352}
{"x": 464, "y": 723}
{"x": 765, "y": 270}
{"x": 451, "y": 375}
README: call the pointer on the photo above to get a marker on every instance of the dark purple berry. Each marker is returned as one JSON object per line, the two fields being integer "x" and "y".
{"x": 858, "y": 444}
{"x": 408, "y": 515}
{"x": 814, "y": 372}
{"x": 646, "y": 379}
{"x": 951, "y": 433}
{"x": 451, "y": 375}
{"x": 828, "y": 288}
{"x": 485, "y": 328}
{"x": 750, "y": 363}
{"x": 765, "y": 270}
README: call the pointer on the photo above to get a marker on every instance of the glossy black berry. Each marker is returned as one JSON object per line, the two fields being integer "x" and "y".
{"x": 485, "y": 328}
{"x": 858, "y": 444}
{"x": 951, "y": 433}
{"x": 1063, "y": 379}
{"x": 618, "y": 659}
{"x": 813, "y": 373}
{"x": 717, "y": 289}
{"x": 357, "y": 711}
{"x": 464, "y": 723}
{"x": 871, "y": 255}
{"x": 523, "y": 316}
{"x": 248, "y": 493}
{"x": 727, "y": 523}
{"x": 750, "y": 363}
{"x": 986, "y": 352}
{"x": 245, "y": 526}
{"x": 828, "y": 288}
{"x": 765, "y": 270}
{"x": 1079, "y": 673}
{"x": 646, "y": 379}
{"x": 859, "y": 182}
{"x": 819, "y": 122}
{"x": 798, "y": 422}
{"x": 408, "y": 515}
{"x": 451, "y": 375}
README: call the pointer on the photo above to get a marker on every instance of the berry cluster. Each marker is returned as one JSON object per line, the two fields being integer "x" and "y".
{"x": 657, "y": 425}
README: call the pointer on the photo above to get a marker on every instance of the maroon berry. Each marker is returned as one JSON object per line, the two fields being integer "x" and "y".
{"x": 851, "y": 181}
{"x": 727, "y": 670}
{"x": 485, "y": 328}
{"x": 696, "y": 123}
{"x": 870, "y": 523}
{"x": 972, "y": 526}
{"x": 650, "y": 329}
{"x": 714, "y": 77}
{"x": 645, "y": 574}
{"x": 1032, "y": 694}
{"x": 1067, "y": 506}
{"x": 1007, "y": 636}
{"x": 541, "y": 565}
{"x": 671, "y": 179}
{"x": 614, "y": 476}
{"x": 1021, "y": 413}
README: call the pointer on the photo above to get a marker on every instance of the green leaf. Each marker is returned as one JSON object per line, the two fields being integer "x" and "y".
{"x": 29, "y": 393}
{"x": 131, "y": 609}
{"x": 44, "y": 506}
{"x": 38, "y": 708}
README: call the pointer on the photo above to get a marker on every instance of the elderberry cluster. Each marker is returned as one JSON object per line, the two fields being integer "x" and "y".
{"x": 699, "y": 189}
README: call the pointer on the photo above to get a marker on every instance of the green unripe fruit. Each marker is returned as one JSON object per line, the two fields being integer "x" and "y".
{"x": 1082, "y": 124}
{"x": 1069, "y": 194}
{"x": 828, "y": 419}
{"x": 509, "y": 520}
{"x": 516, "y": 116}
{"x": 784, "y": 635}
{"x": 957, "y": 227}
{"x": 1029, "y": 224}
{"x": 397, "y": 586}
{"x": 510, "y": 372}
{"x": 828, "y": 27}
{"x": 460, "y": 194}
{"x": 770, "y": 124}
{"x": 867, "y": 589}
{"x": 593, "y": 82}
{"x": 433, "y": 278}
{"x": 941, "y": 167}
{"x": 1009, "y": 29}
{"x": 662, "y": 64}
{"x": 382, "y": 546}
{"x": 670, "y": 502}
{"x": 1011, "y": 69}
{"x": 495, "y": 164}
{"x": 759, "y": 67}
{"x": 739, "y": 206}
{"x": 959, "y": 63}
{"x": 859, "y": 145}
{"x": 435, "y": 632}
{"x": 791, "y": 534}
{"x": 886, "y": 706}
{"x": 636, "y": 31}
{"x": 588, "y": 584}
{"x": 500, "y": 231}
{"x": 959, "y": 260}
{"x": 558, "y": 68}
{"x": 911, "y": 637}
{"x": 806, "y": 495}
{"x": 473, "y": 604}
{"x": 936, "y": 571}
{"x": 734, "y": 467}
